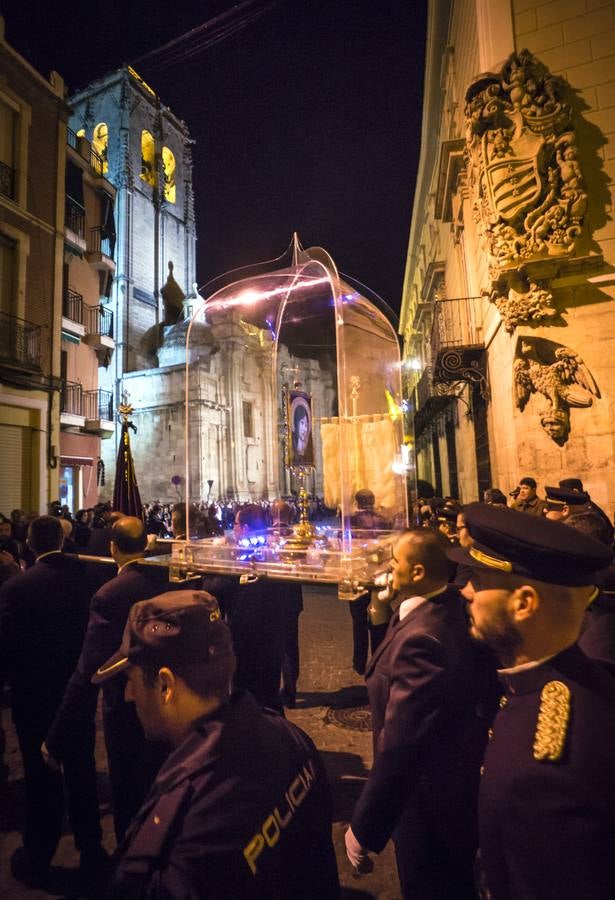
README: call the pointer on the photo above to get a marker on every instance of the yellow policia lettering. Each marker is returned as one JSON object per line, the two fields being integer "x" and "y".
{"x": 277, "y": 820}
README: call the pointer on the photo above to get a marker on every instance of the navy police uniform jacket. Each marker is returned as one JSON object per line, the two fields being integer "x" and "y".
{"x": 547, "y": 796}
{"x": 241, "y": 809}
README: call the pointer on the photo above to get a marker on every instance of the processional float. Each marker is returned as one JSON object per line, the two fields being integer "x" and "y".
{"x": 344, "y": 438}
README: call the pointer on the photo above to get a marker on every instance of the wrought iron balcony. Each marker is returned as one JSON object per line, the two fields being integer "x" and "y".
{"x": 457, "y": 345}
{"x": 71, "y": 138}
{"x": 101, "y": 243}
{"x": 71, "y": 399}
{"x": 98, "y": 405}
{"x": 72, "y": 306}
{"x": 96, "y": 162}
{"x": 7, "y": 181}
{"x": 20, "y": 342}
{"x": 74, "y": 220}
{"x": 99, "y": 321}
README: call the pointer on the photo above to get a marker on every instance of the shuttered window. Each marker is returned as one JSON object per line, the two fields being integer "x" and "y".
{"x": 16, "y": 456}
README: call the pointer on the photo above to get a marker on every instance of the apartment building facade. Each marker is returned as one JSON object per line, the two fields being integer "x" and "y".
{"x": 87, "y": 415}
{"x": 33, "y": 117}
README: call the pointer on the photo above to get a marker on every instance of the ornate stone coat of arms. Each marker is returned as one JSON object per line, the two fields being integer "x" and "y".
{"x": 529, "y": 203}
{"x": 528, "y": 191}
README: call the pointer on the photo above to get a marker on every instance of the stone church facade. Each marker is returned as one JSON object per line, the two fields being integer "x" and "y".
{"x": 507, "y": 313}
{"x": 233, "y": 437}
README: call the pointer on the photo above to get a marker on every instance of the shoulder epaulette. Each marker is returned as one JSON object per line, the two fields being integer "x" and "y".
{"x": 552, "y": 722}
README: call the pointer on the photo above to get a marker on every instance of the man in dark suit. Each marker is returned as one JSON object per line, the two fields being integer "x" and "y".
{"x": 133, "y": 762}
{"x": 547, "y": 795}
{"x": 425, "y": 689}
{"x": 43, "y": 615}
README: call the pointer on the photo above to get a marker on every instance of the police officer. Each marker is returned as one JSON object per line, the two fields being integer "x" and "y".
{"x": 241, "y": 808}
{"x": 561, "y": 503}
{"x": 547, "y": 796}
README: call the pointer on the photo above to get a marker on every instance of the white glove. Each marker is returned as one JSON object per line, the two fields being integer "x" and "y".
{"x": 358, "y": 855}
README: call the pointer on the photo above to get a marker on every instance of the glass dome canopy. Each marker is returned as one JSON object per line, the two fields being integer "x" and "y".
{"x": 308, "y": 404}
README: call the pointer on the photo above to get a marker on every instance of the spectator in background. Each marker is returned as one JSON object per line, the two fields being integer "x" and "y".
{"x": 69, "y": 545}
{"x": 8, "y": 544}
{"x": 154, "y": 523}
{"x": 495, "y": 497}
{"x": 528, "y": 500}
{"x": 19, "y": 525}
{"x": 83, "y": 530}
{"x": 100, "y": 538}
{"x": 575, "y": 484}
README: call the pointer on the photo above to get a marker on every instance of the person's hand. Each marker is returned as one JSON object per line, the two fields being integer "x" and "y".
{"x": 358, "y": 855}
{"x": 49, "y": 760}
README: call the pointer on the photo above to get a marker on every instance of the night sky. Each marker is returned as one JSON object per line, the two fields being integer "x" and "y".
{"x": 307, "y": 119}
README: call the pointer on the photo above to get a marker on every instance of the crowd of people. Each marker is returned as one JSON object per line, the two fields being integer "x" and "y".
{"x": 491, "y": 682}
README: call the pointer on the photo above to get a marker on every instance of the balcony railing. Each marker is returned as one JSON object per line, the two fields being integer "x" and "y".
{"x": 96, "y": 161}
{"x": 100, "y": 243}
{"x": 457, "y": 323}
{"x": 71, "y": 138}
{"x": 7, "y": 181}
{"x": 72, "y": 306}
{"x": 98, "y": 405}
{"x": 20, "y": 342}
{"x": 99, "y": 320}
{"x": 75, "y": 220}
{"x": 71, "y": 398}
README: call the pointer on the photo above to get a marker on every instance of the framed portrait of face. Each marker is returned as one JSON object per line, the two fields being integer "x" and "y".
{"x": 299, "y": 442}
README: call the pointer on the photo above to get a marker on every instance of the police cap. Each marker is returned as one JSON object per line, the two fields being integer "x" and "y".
{"x": 511, "y": 542}
{"x": 176, "y": 629}
{"x": 558, "y": 497}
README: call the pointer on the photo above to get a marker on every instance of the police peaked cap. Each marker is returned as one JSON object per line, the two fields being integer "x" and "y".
{"x": 533, "y": 547}
{"x": 561, "y": 496}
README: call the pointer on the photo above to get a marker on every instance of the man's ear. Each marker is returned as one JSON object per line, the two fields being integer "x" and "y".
{"x": 167, "y": 684}
{"x": 418, "y": 572}
{"x": 525, "y": 602}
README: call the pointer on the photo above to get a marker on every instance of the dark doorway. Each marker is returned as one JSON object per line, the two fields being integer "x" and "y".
{"x": 481, "y": 440}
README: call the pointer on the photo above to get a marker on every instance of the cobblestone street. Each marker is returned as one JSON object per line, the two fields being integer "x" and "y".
{"x": 329, "y": 693}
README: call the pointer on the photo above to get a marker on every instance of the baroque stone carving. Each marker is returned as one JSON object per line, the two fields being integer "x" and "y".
{"x": 533, "y": 305}
{"x": 529, "y": 197}
{"x": 560, "y": 375}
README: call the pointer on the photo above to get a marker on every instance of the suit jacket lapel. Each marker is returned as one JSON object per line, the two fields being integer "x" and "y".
{"x": 394, "y": 626}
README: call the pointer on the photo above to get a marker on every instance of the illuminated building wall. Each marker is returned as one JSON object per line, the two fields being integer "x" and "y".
{"x": 507, "y": 312}
{"x": 33, "y": 118}
{"x": 146, "y": 153}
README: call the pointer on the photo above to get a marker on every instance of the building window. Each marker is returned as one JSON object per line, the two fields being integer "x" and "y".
{"x": 100, "y": 143}
{"x": 168, "y": 164}
{"x": 8, "y": 275}
{"x": 8, "y": 142}
{"x": 148, "y": 158}
{"x": 248, "y": 420}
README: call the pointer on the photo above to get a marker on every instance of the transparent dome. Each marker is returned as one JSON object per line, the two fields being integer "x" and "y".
{"x": 313, "y": 421}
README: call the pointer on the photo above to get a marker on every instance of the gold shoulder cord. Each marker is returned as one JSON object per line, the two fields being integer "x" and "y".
{"x": 552, "y": 722}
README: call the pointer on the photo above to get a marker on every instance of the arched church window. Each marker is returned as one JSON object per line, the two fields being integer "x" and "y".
{"x": 168, "y": 164}
{"x": 100, "y": 143}
{"x": 148, "y": 158}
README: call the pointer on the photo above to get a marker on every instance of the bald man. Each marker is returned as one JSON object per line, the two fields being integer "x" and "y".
{"x": 133, "y": 761}
{"x": 427, "y": 691}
